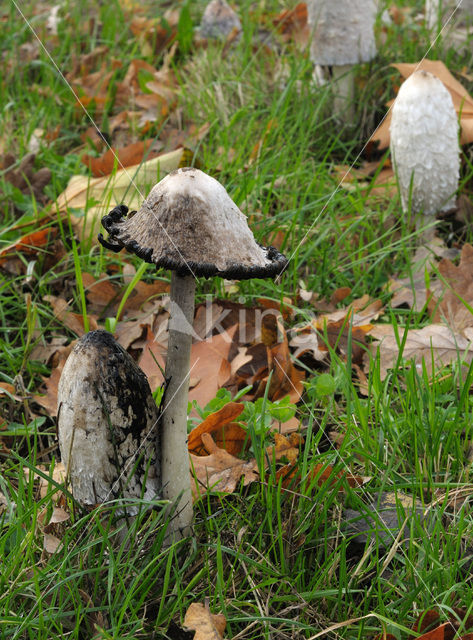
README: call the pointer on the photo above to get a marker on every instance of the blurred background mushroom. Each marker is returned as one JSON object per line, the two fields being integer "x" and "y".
{"x": 452, "y": 20}
{"x": 342, "y": 36}
{"x": 219, "y": 21}
{"x": 188, "y": 224}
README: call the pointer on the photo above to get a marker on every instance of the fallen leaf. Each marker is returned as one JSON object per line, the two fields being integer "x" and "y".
{"x": 426, "y": 621}
{"x": 154, "y": 34}
{"x": 210, "y": 366}
{"x": 433, "y": 346}
{"x": 58, "y": 514}
{"x": 30, "y": 244}
{"x": 127, "y": 156}
{"x": 286, "y": 379}
{"x": 215, "y": 424}
{"x": 287, "y": 447}
{"x": 321, "y": 473}
{"x": 412, "y": 290}
{"x": 51, "y": 543}
{"x": 93, "y": 89}
{"x": 3, "y": 503}
{"x": 104, "y": 295}
{"x": 73, "y": 321}
{"x": 207, "y": 625}
{"x": 455, "y": 306}
{"x": 219, "y": 470}
{"x": 59, "y": 477}
{"x": 391, "y": 512}
{"x": 258, "y": 147}
{"x": 82, "y": 65}
{"x": 342, "y": 330}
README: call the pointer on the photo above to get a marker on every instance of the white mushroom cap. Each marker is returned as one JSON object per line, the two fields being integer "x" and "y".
{"x": 342, "y": 31}
{"x": 189, "y": 224}
{"x": 219, "y": 20}
{"x": 424, "y": 144}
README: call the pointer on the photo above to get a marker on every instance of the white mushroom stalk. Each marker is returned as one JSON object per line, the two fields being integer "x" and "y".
{"x": 107, "y": 424}
{"x": 342, "y": 36}
{"x": 188, "y": 224}
{"x": 424, "y": 145}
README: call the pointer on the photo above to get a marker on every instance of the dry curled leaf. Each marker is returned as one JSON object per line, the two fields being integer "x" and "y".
{"x": 51, "y": 543}
{"x": 228, "y": 436}
{"x": 219, "y": 470}
{"x": 207, "y": 625}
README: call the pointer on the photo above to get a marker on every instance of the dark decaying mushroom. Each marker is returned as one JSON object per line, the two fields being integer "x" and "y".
{"x": 107, "y": 423}
{"x": 188, "y": 224}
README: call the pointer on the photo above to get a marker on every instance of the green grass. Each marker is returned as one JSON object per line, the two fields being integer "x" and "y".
{"x": 276, "y": 563}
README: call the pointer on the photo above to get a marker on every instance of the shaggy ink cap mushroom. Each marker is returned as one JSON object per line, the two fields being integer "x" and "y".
{"x": 342, "y": 36}
{"x": 107, "y": 423}
{"x": 343, "y": 31}
{"x": 189, "y": 224}
{"x": 424, "y": 144}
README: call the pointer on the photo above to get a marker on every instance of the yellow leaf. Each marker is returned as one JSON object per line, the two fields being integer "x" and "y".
{"x": 207, "y": 626}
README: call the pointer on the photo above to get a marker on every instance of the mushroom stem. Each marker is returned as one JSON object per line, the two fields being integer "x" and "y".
{"x": 344, "y": 91}
{"x": 174, "y": 453}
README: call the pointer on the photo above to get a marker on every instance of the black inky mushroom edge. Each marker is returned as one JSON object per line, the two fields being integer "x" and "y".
{"x": 236, "y": 272}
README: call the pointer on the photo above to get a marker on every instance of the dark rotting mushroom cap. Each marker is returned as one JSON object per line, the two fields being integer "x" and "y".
{"x": 189, "y": 224}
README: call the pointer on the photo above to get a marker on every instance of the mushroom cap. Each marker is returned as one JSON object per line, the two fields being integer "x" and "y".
{"x": 189, "y": 224}
{"x": 342, "y": 31}
{"x": 219, "y": 20}
{"x": 107, "y": 420}
{"x": 424, "y": 144}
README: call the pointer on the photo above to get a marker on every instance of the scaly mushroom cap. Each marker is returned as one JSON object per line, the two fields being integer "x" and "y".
{"x": 107, "y": 420}
{"x": 342, "y": 31}
{"x": 189, "y": 224}
{"x": 424, "y": 144}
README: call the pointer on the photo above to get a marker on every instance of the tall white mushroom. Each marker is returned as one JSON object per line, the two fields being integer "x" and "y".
{"x": 107, "y": 423}
{"x": 188, "y": 224}
{"x": 342, "y": 36}
{"x": 424, "y": 145}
